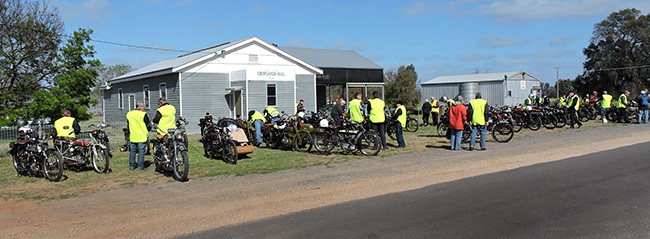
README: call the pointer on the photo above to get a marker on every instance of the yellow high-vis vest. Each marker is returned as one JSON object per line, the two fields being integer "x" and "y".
{"x": 168, "y": 119}
{"x": 137, "y": 128}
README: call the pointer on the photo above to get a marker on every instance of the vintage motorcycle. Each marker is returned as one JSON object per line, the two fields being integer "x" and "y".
{"x": 83, "y": 151}
{"x": 101, "y": 136}
{"x": 349, "y": 138}
{"x": 31, "y": 156}
{"x": 216, "y": 140}
{"x": 170, "y": 152}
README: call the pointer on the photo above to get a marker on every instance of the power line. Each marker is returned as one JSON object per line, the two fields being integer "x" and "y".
{"x": 140, "y": 47}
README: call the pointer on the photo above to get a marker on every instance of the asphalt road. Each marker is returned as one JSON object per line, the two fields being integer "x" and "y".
{"x": 601, "y": 195}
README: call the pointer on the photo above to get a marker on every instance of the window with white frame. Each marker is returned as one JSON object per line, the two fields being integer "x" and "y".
{"x": 120, "y": 98}
{"x": 131, "y": 102}
{"x": 146, "y": 96}
{"x": 271, "y": 94}
{"x": 163, "y": 90}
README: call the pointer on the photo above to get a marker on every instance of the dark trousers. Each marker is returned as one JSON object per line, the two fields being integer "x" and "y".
{"x": 425, "y": 118}
{"x": 434, "y": 118}
{"x": 380, "y": 128}
{"x": 400, "y": 136}
{"x": 622, "y": 115}
{"x": 573, "y": 117}
{"x": 337, "y": 120}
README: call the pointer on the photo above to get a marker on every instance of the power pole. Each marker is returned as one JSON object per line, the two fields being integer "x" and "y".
{"x": 557, "y": 82}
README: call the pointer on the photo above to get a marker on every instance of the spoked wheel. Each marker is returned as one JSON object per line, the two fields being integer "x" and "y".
{"x": 535, "y": 123}
{"x": 18, "y": 165}
{"x": 442, "y": 129}
{"x": 518, "y": 123}
{"x": 503, "y": 132}
{"x": 549, "y": 122}
{"x": 229, "y": 152}
{"x": 323, "y": 142}
{"x": 561, "y": 121}
{"x": 391, "y": 131}
{"x": 181, "y": 166}
{"x": 100, "y": 159}
{"x": 303, "y": 142}
{"x": 52, "y": 165}
{"x": 412, "y": 125}
{"x": 369, "y": 144}
{"x": 612, "y": 115}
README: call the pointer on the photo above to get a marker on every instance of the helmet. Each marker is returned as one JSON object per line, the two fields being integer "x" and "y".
{"x": 531, "y": 95}
{"x": 459, "y": 99}
{"x": 444, "y": 99}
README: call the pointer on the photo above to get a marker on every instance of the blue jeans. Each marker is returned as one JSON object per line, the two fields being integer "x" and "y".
{"x": 137, "y": 148}
{"x": 258, "y": 130}
{"x": 275, "y": 120}
{"x": 643, "y": 113}
{"x": 483, "y": 130}
{"x": 602, "y": 112}
{"x": 456, "y": 137}
{"x": 400, "y": 136}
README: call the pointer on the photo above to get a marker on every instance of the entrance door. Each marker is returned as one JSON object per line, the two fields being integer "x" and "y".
{"x": 238, "y": 105}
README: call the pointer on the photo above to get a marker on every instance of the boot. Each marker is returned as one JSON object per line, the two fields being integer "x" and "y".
{"x": 604, "y": 121}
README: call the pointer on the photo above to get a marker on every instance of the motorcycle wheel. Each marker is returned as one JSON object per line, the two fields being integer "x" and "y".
{"x": 391, "y": 131}
{"x": 323, "y": 142}
{"x": 18, "y": 165}
{"x": 100, "y": 159}
{"x": 412, "y": 125}
{"x": 181, "y": 166}
{"x": 549, "y": 122}
{"x": 612, "y": 115}
{"x": 503, "y": 132}
{"x": 442, "y": 129}
{"x": 535, "y": 123}
{"x": 302, "y": 143}
{"x": 518, "y": 124}
{"x": 229, "y": 152}
{"x": 52, "y": 165}
{"x": 369, "y": 144}
{"x": 561, "y": 121}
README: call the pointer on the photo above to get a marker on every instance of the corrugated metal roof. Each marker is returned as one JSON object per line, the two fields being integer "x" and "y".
{"x": 327, "y": 58}
{"x": 497, "y": 76}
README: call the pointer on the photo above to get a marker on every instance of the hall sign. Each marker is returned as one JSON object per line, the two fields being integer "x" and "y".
{"x": 270, "y": 74}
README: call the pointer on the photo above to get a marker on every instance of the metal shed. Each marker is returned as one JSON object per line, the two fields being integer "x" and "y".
{"x": 500, "y": 88}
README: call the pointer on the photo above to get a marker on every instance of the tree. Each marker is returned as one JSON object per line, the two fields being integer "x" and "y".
{"x": 565, "y": 85}
{"x": 402, "y": 86}
{"x": 31, "y": 34}
{"x": 71, "y": 89}
{"x": 618, "y": 54}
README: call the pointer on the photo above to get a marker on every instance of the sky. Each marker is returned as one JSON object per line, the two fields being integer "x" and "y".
{"x": 438, "y": 37}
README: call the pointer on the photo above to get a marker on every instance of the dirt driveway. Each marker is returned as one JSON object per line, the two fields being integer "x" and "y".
{"x": 173, "y": 209}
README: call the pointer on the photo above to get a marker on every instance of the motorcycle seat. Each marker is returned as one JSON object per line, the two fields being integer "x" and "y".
{"x": 81, "y": 143}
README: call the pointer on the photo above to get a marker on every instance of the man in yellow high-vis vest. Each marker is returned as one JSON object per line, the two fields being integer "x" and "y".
{"x": 139, "y": 126}
{"x": 356, "y": 116}
{"x": 605, "y": 106}
{"x": 622, "y": 107}
{"x": 479, "y": 119}
{"x": 400, "y": 117}
{"x": 376, "y": 106}
{"x": 574, "y": 106}
{"x": 435, "y": 110}
{"x": 258, "y": 120}
{"x": 165, "y": 117}
{"x": 66, "y": 126}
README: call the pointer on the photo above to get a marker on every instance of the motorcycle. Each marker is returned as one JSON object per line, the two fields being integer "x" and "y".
{"x": 216, "y": 140}
{"x": 349, "y": 138}
{"x": 100, "y": 135}
{"x": 170, "y": 152}
{"x": 83, "y": 151}
{"x": 31, "y": 156}
{"x": 632, "y": 111}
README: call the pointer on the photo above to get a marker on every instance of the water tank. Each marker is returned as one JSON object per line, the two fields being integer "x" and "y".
{"x": 468, "y": 91}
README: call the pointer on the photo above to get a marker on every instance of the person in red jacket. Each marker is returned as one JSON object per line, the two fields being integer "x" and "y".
{"x": 457, "y": 117}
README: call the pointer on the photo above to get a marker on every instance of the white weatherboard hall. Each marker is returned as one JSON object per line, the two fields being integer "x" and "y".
{"x": 226, "y": 80}
{"x": 500, "y": 88}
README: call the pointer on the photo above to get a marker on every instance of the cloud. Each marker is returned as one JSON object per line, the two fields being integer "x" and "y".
{"x": 93, "y": 10}
{"x": 562, "y": 41}
{"x": 498, "y": 42}
{"x": 297, "y": 43}
{"x": 432, "y": 57}
{"x": 211, "y": 25}
{"x": 531, "y": 10}
{"x": 553, "y": 54}
{"x": 358, "y": 47}
{"x": 474, "y": 57}
{"x": 424, "y": 7}
{"x": 338, "y": 45}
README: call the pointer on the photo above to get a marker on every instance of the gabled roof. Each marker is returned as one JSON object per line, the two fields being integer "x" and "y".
{"x": 181, "y": 62}
{"x": 327, "y": 58}
{"x": 497, "y": 76}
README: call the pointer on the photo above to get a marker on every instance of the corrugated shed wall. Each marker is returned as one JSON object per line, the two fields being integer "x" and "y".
{"x": 518, "y": 94}
{"x": 203, "y": 92}
{"x": 449, "y": 90}
{"x": 305, "y": 89}
{"x": 114, "y": 114}
{"x": 493, "y": 92}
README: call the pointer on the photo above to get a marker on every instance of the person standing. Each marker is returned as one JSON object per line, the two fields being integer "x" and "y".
{"x": 479, "y": 114}
{"x": 622, "y": 107}
{"x": 605, "y": 106}
{"x": 300, "y": 107}
{"x": 528, "y": 101}
{"x": 356, "y": 116}
{"x": 258, "y": 120}
{"x": 593, "y": 98}
{"x": 337, "y": 111}
{"x": 165, "y": 117}
{"x": 435, "y": 110}
{"x": 574, "y": 106}
{"x": 376, "y": 106}
{"x": 457, "y": 117}
{"x": 426, "y": 109}
{"x": 139, "y": 127}
{"x": 400, "y": 117}
{"x": 642, "y": 100}
{"x": 67, "y": 126}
